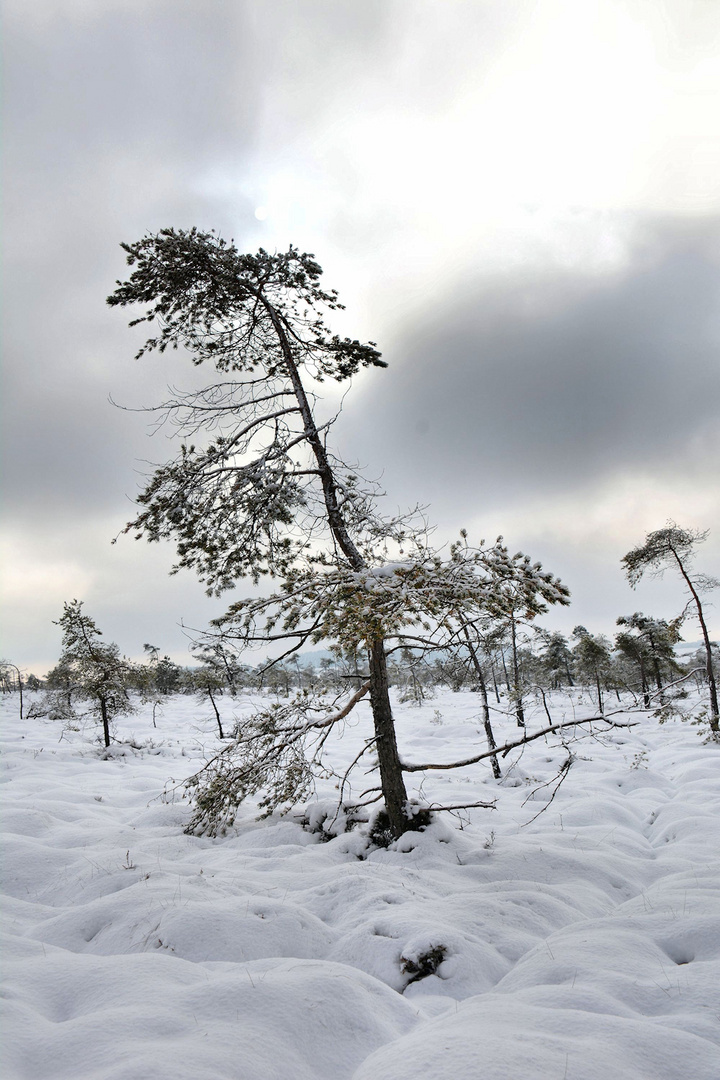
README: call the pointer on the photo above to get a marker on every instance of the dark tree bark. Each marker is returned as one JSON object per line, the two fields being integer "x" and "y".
{"x": 391, "y": 776}
{"x": 517, "y": 686}
{"x": 494, "y": 679}
{"x": 643, "y": 681}
{"x": 105, "y": 721}
{"x": 391, "y": 772}
{"x": 489, "y": 734}
{"x": 714, "y": 710}
{"x": 215, "y": 710}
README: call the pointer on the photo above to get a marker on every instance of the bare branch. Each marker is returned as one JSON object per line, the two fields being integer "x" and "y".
{"x": 463, "y": 806}
{"x": 504, "y": 750}
{"x": 560, "y": 777}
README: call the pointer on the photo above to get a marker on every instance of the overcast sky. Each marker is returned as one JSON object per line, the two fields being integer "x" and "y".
{"x": 519, "y": 200}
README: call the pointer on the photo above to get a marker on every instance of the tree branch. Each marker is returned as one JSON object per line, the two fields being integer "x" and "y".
{"x": 513, "y": 745}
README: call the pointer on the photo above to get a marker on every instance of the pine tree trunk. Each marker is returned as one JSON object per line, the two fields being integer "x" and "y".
{"x": 105, "y": 721}
{"x": 645, "y": 690}
{"x": 714, "y": 710}
{"x": 489, "y": 733}
{"x": 517, "y": 689}
{"x": 505, "y": 671}
{"x": 20, "y": 688}
{"x": 217, "y": 714}
{"x": 656, "y": 670}
{"x": 391, "y": 775}
{"x": 494, "y": 679}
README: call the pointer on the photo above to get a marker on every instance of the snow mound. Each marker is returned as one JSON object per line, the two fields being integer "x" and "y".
{"x": 573, "y": 932}
{"x": 134, "y": 1017}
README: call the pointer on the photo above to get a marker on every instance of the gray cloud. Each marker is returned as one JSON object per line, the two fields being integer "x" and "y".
{"x": 108, "y": 118}
{"x": 172, "y": 76}
{"x": 116, "y": 117}
{"x": 553, "y": 382}
{"x": 127, "y": 117}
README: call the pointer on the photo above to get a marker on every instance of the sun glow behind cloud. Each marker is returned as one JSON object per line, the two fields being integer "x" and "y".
{"x": 591, "y": 114}
{"x": 548, "y": 154}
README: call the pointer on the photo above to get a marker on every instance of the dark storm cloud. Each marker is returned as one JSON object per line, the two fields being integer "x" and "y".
{"x": 551, "y": 383}
{"x": 110, "y": 116}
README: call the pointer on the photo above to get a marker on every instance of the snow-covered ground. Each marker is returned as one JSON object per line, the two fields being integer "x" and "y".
{"x": 581, "y": 945}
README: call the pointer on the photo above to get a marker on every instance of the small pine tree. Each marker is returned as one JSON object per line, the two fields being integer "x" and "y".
{"x": 95, "y": 670}
{"x": 650, "y": 644}
{"x": 674, "y": 548}
{"x": 555, "y": 657}
{"x": 593, "y": 659}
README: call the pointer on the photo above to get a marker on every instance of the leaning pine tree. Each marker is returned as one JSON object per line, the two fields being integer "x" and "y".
{"x": 674, "y": 548}
{"x": 263, "y": 496}
{"x": 255, "y": 493}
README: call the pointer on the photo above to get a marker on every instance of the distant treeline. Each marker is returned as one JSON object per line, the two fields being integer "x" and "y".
{"x": 642, "y": 659}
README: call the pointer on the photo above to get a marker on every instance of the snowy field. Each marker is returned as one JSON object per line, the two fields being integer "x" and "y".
{"x": 581, "y": 945}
